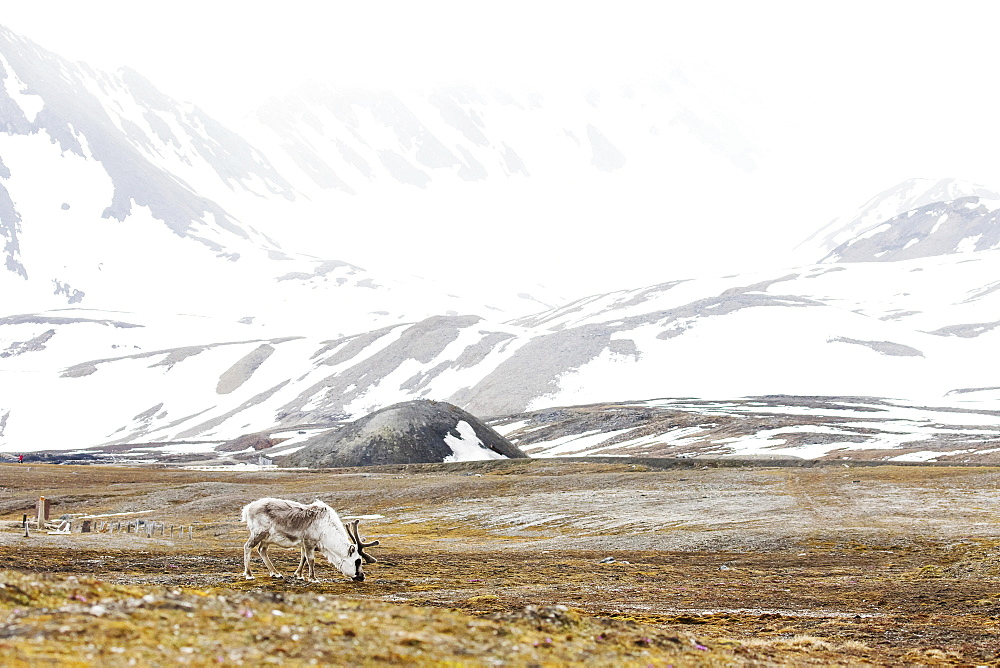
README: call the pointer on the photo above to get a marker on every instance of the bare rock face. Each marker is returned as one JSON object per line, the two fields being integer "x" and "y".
{"x": 413, "y": 432}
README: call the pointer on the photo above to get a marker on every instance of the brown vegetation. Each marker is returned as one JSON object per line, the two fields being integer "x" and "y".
{"x": 502, "y": 564}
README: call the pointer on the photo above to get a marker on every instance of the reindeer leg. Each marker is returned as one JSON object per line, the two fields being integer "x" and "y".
{"x": 260, "y": 553}
{"x": 312, "y": 565}
{"x": 272, "y": 571}
{"x": 299, "y": 572}
{"x": 248, "y": 547}
{"x": 308, "y": 561}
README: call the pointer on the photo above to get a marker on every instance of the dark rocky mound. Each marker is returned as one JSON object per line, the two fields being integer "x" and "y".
{"x": 413, "y": 432}
{"x": 246, "y": 441}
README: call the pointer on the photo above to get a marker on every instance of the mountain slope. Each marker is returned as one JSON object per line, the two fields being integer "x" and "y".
{"x": 961, "y": 225}
{"x": 101, "y": 145}
{"x": 125, "y": 125}
{"x": 114, "y": 196}
{"x": 818, "y": 330}
{"x": 353, "y": 140}
{"x": 522, "y": 171}
{"x": 447, "y": 183}
{"x": 765, "y": 427}
{"x": 830, "y": 242}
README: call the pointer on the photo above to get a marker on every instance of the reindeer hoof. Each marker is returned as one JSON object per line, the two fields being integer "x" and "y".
{"x": 248, "y": 576}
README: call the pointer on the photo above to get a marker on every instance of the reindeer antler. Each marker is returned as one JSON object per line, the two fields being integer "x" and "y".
{"x": 352, "y": 531}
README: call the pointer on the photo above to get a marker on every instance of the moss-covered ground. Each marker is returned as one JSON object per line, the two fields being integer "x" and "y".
{"x": 618, "y": 566}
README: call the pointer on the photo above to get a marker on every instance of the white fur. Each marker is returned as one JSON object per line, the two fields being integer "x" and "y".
{"x": 292, "y": 524}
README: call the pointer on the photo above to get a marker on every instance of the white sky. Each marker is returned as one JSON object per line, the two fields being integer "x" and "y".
{"x": 848, "y": 98}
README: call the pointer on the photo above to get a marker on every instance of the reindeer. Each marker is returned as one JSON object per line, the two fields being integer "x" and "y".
{"x": 292, "y": 524}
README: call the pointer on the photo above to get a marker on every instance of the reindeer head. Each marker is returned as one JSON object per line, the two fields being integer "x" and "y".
{"x": 357, "y": 552}
{"x": 349, "y": 563}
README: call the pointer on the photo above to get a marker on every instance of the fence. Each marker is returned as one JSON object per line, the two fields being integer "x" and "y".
{"x": 147, "y": 528}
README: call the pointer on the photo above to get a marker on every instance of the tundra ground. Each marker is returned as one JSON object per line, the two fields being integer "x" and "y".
{"x": 519, "y": 563}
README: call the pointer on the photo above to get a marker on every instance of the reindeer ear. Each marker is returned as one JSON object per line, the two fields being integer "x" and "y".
{"x": 351, "y": 550}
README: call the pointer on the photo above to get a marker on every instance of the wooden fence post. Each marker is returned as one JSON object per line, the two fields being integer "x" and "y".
{"x": 43, "y": 511}
{"x": 24, "y": 521}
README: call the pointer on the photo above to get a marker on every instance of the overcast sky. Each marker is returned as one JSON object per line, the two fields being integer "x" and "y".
{"x": 847, "y": 98}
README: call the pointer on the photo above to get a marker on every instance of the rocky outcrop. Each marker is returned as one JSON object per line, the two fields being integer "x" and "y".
{"x": 413, "y": 432}
{"x": 248, "y": 441}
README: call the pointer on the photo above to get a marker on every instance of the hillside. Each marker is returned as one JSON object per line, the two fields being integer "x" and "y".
{"x": 913, "y": 196}
{"x": 818, "y": 331}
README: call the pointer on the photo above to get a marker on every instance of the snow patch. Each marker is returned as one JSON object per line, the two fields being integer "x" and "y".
{"x": 184, "y": 448}
{"x": 29, "y": 104}
{"x": 926, "y": 455}
{"x": 939, "y": 222}
{"x": 510, "y": 428}
{"x": 575, "y": 443}
{"x": 968, "y": 244}
{"x": 466, "y": 447}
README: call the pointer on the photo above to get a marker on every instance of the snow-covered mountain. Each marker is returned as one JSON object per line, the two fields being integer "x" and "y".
{"x": 148, "y": 295}
{"x": 75, "y": 130}
{"x": 114, "y": 196}
{"x": 350, "y": 140}
{"x": 516, "y": 173}
{"x": 941, "y": 216}
{"x": 961, "y": 225}
{"x": 920, "y": 330}
{"x": 448, "y": 183}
